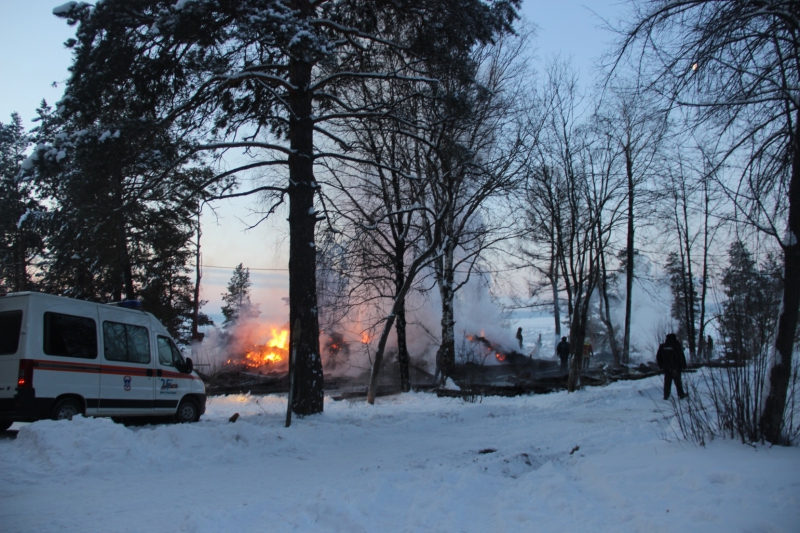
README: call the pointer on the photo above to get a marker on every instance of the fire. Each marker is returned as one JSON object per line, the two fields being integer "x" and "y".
{"x": 492, "y": 348}
{"x": 274, "y": 351}
{"x": 365, "y": 338}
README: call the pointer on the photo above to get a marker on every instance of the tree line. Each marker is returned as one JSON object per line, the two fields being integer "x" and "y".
{"x": 413, "y": 146}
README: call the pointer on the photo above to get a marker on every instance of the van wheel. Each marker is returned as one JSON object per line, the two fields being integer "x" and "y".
{"x": 66, "y": 409}
{"x": 188, "y": 411}
{"x": 5, "y": 424}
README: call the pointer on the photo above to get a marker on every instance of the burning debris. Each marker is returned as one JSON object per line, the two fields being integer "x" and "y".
{"x": 271, "y": 355}
{"x": 500, "y": 354}
{"x": 274, "y": 351}
{"x": 336, "y": 351}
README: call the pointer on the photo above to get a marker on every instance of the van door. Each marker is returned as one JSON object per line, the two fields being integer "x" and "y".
{"x": 67, "y": 360}
{"x": 171, "y": 384}
{"x": 11, "y": 346}
{"x": 127, "y": 379}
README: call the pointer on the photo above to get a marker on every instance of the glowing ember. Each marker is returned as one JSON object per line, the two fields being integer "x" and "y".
{"x": 491, "y": 348}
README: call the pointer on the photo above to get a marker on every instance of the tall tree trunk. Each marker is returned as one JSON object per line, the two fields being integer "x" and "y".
{"x": 772, "y": 418}
{"x": 605, "y": 309}
{"x": 308, "y": 394}
{"x": 125, "y": 267}
{"x": 398, "y": 302}
{"x": 20, "y": 264}
{"x": 446, "y": 355}
{"x": 629, "y": 266}
{"x": 403, "y": 358}
{"x": 577, "y": 336}
{"x": 691, "y": 319}
{"x": 198, "y": 266}
{"x": 702, "y": 346}
{"x": 686, "y": 284}
{"x": 554, "y": 283}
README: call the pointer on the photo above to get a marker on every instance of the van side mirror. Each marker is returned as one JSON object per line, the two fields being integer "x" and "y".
{"x": 189, "y": 366}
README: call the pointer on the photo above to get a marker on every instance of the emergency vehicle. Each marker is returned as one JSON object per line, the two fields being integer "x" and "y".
{"x": 61, "y": 357}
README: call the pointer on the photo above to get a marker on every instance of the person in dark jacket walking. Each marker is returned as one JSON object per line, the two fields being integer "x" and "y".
{"x": 671, "y": 359}
{"x": 562, "y": 350}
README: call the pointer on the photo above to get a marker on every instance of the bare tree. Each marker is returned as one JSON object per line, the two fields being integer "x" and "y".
{"x": 637, "y": 127}
{"x": 572, "y": 202}
{"x": 735, "y": 68}
{"x": 543, "y": 200}
{"x": 470, "y": 151}
{"x": 376, "y": 208}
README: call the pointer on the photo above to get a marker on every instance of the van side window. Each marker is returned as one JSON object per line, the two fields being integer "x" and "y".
{"x": 10, "y": 324}
{"x": 169, "y": 354}
{"x": 126, "y": 342}
{"x": 70, "y": 336}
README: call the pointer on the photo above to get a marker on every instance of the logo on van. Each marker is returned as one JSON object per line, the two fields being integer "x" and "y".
{"x": 167, "y": 384}
{"x": 126, "y": 381}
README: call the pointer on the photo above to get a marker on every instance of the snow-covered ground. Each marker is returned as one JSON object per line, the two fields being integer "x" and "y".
{"x": 411, "y": 463}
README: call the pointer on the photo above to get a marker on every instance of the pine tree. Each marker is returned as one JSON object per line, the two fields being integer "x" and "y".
{"x": 166, "y": 290}
{"x": 749, "y": 315}
{"x": 684, "y": 296}
{"x": 237, "y": 300}
{"x": 21, "y": 215}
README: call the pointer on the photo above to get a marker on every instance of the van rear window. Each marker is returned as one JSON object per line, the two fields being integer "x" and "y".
{"x": 70, "y": 336}
{"x": 10, "y": 325}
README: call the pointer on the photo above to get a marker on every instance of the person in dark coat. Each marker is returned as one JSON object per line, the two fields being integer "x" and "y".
{"x": 562, "y": 350}
{"x": 671, "y": 359}
{"x": 519, "y": 337}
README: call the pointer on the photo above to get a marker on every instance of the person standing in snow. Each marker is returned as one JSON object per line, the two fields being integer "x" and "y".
{"x": 562, "y": 350}
{"x": 671, "y": 359}
{"x": 519, "y": 337}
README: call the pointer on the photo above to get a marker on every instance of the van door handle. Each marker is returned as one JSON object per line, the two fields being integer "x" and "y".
{"x": 159, "y": 373}
{"x": 149, "y": 373}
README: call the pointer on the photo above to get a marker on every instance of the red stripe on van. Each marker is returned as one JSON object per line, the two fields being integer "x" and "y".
{"x": 68, "y": 366}
{"x": 125, "y": 370}
{"x": 178, "y": 375}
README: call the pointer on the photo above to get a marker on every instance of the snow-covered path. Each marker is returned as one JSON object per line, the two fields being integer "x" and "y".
{"x": 410, "y": 463}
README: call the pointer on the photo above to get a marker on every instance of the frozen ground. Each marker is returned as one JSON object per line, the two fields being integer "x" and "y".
{"x": 410, "y": 463}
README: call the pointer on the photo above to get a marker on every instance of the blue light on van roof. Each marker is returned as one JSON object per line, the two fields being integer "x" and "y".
{"x": 130, "y": 304}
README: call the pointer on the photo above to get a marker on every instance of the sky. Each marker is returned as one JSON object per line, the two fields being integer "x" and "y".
{"x": 34, "y": 66}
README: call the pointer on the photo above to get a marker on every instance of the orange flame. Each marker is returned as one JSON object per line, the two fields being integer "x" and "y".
{"x": 274, "y": 351}
{"x": 365, "y": 338}
{"x": 500, "y": 357}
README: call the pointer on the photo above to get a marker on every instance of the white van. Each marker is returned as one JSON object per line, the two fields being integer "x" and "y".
{"x": 61, "y": 357}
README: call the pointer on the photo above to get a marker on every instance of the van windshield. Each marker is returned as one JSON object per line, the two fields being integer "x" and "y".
{"x": 10, "y": 325}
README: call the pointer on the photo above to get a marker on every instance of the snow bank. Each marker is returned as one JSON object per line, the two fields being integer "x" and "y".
{"x": 595, "y": 460}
